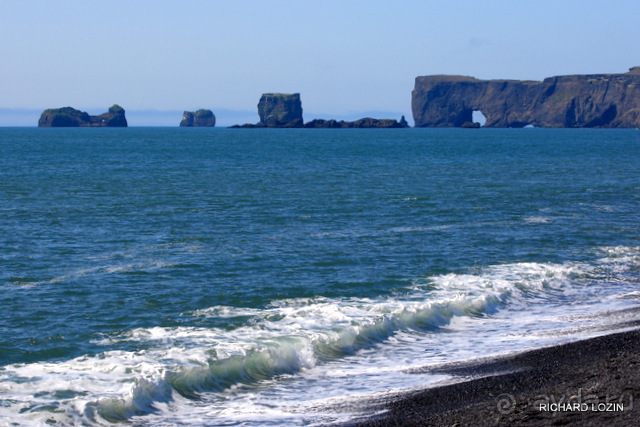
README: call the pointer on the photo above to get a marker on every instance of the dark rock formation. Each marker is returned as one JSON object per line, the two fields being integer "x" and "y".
{"x": 201, "y": 118}
{"x": 367, "y": 122}
{"x": 246, "y": 126}
{"x": 70, "y": 117}
{"x": 470, "y": 125}
{"x": 280, "y": 110}
{"x": 597, "y": 100}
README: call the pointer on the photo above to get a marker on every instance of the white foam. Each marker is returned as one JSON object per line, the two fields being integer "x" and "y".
{"x": 147, "y": 266}
{"x": 537, "y": 219}
{"x": 295, "y": 355}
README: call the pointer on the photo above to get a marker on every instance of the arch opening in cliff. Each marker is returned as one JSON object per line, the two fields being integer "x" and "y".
{"x": 478, "y": 116}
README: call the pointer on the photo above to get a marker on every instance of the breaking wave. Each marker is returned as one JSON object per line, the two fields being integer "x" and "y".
{"x": 291, "y": 336}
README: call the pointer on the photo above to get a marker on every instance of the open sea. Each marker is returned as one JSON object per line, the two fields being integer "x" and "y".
{"x": 205, "y": 277}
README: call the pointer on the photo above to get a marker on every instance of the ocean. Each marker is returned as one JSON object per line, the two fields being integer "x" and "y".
{"x": 172, "y": 276}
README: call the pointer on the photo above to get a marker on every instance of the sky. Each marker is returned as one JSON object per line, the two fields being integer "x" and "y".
{"x": 346, "y": 58}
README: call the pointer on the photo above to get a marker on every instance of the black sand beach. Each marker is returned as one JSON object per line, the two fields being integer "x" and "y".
{"x": 591, "y": 382}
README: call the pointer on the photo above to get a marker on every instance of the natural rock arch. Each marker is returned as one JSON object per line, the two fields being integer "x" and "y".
{"x": 598, "y": 100}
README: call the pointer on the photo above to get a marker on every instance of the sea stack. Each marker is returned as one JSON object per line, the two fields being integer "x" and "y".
{"x": 576, "y": 101}
{"x": 70, "y": 117}
{"x": 201, "y": 118}
{"x": 280, "y": 110}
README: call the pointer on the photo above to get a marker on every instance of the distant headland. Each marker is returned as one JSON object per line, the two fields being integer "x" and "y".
{"x": 70, "y": 117}
{"x": 576, "y": 101}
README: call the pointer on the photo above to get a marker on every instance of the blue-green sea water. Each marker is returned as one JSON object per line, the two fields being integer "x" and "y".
{"x": 170, "y": 276}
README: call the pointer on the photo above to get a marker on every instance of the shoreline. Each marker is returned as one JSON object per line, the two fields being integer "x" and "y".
{"x": 594, "y": 381}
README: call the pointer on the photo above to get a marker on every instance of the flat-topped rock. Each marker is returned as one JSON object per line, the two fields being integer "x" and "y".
{"x": 280, "y": 110}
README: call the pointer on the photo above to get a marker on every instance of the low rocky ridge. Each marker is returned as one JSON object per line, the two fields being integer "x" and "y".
{"x": 366, "y": 122}
{"x": 583, "y": 101}
{"x": 201, "y": 118}
{"x": 70, "y": 117}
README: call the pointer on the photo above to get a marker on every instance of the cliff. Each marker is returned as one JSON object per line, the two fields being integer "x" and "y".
{"x": 280, "y": 110}
{"x": 201, "y": 118}
{"x": 597, "y": 100}
{"x": 70, "y": 117}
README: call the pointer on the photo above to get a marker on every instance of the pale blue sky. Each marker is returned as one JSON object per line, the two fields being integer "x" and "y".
{"x": 344, "y": 57}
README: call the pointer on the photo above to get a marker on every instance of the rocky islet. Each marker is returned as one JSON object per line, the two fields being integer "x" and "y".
{"x": 201, "y": 118}
{"x": 70, "y": 117}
